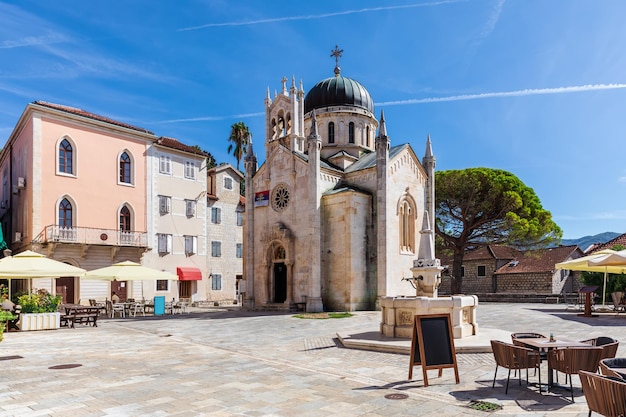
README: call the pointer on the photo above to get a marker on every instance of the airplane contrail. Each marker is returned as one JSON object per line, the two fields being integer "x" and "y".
{"x": 318, "y": 16}
{"x": 518, "y": 93}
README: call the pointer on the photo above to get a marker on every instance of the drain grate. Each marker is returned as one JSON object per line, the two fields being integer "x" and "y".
{"x": 396, "y": 396}
{"x": 66, "y": 366}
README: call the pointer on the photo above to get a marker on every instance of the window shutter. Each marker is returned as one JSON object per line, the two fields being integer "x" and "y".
{"x": 194, "y": 240}
{"x": 169, "y": 243}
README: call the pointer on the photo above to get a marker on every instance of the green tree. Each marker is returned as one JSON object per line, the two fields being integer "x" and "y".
{"x": 210, "y": 160}
{"x": 482, "y": 206}
{"x": 239, "y": 137}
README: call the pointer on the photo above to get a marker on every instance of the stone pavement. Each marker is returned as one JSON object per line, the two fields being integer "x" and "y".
{"x": 235, "y": 363}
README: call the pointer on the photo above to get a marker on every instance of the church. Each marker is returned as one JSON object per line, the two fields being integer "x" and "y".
{"x": 335, "y": 216}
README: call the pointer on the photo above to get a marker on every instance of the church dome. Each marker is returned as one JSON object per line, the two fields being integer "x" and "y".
{"x": 338, "y": 91}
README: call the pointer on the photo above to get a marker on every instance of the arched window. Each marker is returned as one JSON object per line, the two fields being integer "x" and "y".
{"x": 125, "y": 167}
{"x": 331, "y": 132}
{"x": 351, "y": 132}
{"x": 367, "y": 136}
{"x": 65, "y": 213}
{"x": 65, "y": 157}
{"x": 125, "y": 225}
{"x": 406, "y": 216}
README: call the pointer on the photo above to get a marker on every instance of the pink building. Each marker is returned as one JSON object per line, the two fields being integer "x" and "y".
{"x": 74, "y": 189}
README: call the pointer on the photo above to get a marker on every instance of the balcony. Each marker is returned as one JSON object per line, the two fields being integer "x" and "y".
{"x": 91, "y": 236}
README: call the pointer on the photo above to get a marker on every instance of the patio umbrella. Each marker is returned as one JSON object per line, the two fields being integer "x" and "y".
{"x": 29, "y": 264}
{"x": 128, "y": 271}
{"x": 588, "y": 263}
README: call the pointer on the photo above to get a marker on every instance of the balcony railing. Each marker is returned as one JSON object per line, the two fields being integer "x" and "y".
{"x": 91, "y": 236}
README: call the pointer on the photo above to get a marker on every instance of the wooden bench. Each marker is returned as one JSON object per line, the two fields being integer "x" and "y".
{"x": 80, "y": 314}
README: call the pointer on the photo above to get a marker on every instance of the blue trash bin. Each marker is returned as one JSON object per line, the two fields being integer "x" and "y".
{"x": 159, "y": 305}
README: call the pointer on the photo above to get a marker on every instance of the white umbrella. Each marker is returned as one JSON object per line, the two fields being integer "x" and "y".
{"x": 29, "y": 264}
{"x": 590, "y": 263}
{"x": 128, "y": 271}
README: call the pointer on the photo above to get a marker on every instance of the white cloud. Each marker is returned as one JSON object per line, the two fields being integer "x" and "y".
{"x": 48, "y": 39}
{"x": 493, "y": 19}
{"x": 211, "y": 118}
{"x": 319, "y": 16}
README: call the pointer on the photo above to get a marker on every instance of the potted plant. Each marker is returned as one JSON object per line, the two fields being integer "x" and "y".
{"x": 5, "y": 316}
{"x": 40, "y": 310}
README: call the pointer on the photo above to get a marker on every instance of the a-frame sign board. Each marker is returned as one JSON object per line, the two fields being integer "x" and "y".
{"x": 432, "y": 346}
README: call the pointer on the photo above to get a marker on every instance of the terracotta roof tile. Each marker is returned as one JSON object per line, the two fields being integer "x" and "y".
{"x": 538, "y": 260}
{"x": 175, "y": 144}
{"x": 79, "y": 112}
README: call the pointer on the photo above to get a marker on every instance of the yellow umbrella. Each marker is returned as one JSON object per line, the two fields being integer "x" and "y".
{"x": 128, "y": 271}
{"x": 29, "y": 264}
{"x": 589, "y": 263}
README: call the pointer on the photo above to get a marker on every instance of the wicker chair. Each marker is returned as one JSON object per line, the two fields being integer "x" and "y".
{"x": 514, "y": 357}
{"x": 604, "y": 395}
{"x": 607, "y": 365}
{"x": 571, "y": 360}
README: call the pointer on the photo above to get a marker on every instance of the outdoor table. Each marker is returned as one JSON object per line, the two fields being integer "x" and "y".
{"x": 545, "y": 344}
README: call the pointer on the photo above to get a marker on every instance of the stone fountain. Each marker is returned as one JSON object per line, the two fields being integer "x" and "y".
{"x": 398, "y": 312}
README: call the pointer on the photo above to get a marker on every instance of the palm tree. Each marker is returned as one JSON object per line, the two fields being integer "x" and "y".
{"x": 239, "y": 135}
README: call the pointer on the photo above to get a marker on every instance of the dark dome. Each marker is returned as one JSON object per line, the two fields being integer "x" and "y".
{"x": 338, "y": 91}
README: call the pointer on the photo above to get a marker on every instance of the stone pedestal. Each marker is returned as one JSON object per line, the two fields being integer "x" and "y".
{"x": 314, "y": 305}
{"x": 398, "y": 314}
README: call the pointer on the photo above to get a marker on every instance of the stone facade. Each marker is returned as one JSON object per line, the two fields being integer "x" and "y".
{"x": 226, "y": 231}
{"x": 500, "y": 269}
{"x": 334, "y": 213}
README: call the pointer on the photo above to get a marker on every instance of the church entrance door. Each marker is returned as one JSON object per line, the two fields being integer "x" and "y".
{"x": 280, "y": 282}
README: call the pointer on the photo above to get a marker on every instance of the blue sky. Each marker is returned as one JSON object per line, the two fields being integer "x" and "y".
{"x": 534, "y": 87}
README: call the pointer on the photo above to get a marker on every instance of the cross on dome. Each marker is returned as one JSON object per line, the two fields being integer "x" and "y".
{"x": 337, "y": 53}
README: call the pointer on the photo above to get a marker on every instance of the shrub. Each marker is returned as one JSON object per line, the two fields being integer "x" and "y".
{"x": 40, "y": 301}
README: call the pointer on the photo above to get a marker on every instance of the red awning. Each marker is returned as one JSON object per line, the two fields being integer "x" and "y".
{"x": 188, "y": 274}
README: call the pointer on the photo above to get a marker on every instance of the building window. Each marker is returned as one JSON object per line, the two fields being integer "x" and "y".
{"x": 216, "y": 249}
{"x": 125, "y": 220}
{"x": 190, "y": 208}
{"x": 462, "y": 271}
{"x": 125, "y": 167}
{"x": 216, "y": 215}
{"x": 216, "y": 282}
{"x": 65, "y": 213}
{"x": 482, "y": 271}
{"x": 406, "y": 214}
{"x": 190, "y": 170}
{"x": 164, "y": 243}
{"x": 191, "y": 245}
{"x": 65, "y": 157}
{"x": 367, "y": 136}
{"x": 228, "y": 183}
{"x": 351, "y": 132}
{"x": 239, "y": 218}
{"x": 331, "y": 132}
{"x": 165, "y": 204}
{"x": 165, "y": 164}
{"x": 162, "y": 285}
{"x": 239, "y": 250}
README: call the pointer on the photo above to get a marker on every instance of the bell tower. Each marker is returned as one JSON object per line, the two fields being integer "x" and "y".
{"x": 284, "y": 118}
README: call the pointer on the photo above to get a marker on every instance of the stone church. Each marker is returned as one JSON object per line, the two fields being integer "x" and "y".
{"x": 335, "y": 216}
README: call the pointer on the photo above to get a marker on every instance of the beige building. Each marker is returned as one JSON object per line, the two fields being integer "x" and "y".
{"x": 225, "y": 234}
{"x": 334, "y": 214}
{"x": 177, "y": 221}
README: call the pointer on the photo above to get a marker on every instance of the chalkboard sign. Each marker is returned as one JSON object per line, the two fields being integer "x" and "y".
{"x": 432, "y": 346}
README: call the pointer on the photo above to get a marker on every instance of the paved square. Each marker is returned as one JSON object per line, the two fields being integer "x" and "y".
{"x": 235, "y": 363}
